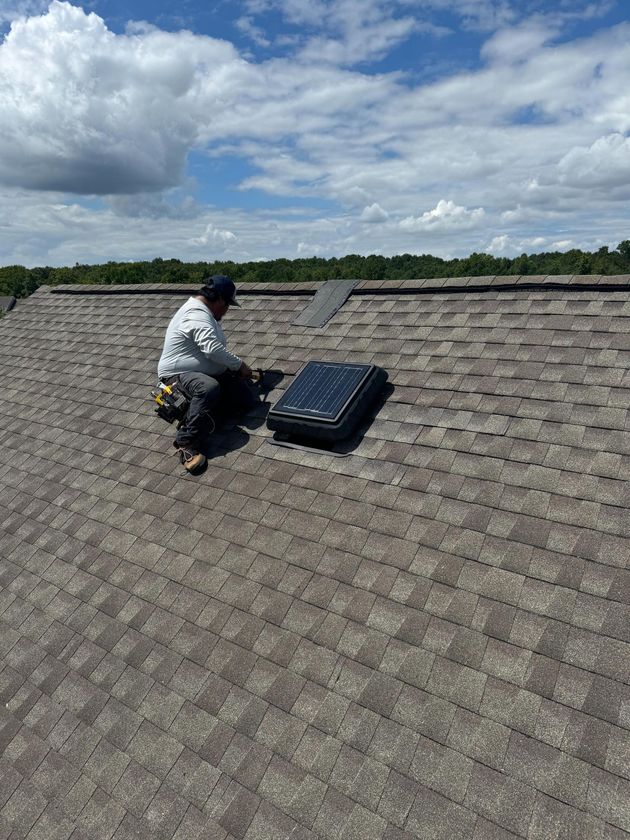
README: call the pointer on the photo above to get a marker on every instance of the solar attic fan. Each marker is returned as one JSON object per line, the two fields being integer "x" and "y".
{"x": 326, "y": 400}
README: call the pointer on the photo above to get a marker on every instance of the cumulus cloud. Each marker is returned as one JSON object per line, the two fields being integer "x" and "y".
{"x": 524, "y": 216}
{"x": 374, "y": 214}
{"x": 498, "y": 244}
{"x": 214, "y": 236}
{"x": 445, "y": 216}
{"x": 508, "y": 246}
{"x": 305, "y": 249}
{"x": 86, "y": 111}
{"x": 11, "y": 10}
{"x": 605, "y": 163}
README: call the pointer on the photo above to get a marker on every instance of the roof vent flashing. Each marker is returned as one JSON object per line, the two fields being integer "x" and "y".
{"x": 328, "y": 299}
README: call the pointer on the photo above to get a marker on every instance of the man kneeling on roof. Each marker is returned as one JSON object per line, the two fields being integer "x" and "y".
{"x": 195, "y": 355}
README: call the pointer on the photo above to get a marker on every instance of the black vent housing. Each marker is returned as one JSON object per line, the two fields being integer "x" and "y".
{"x": 326, "y": 400}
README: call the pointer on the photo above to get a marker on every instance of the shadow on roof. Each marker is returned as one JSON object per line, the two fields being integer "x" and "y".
{"x": 232, "y": 433}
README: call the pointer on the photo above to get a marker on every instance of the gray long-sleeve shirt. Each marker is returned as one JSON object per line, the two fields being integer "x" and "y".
{"x": 195, "y": 342}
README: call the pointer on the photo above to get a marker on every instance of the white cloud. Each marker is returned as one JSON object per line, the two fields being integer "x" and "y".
{"x": 445, "y": 216}
{"x": 524, "y": 216}
{"x": 249, "y": 28}
{"x": 517, "y": 44}
{"x": 373, "y": 214}
{"x": 490, "y": 15}
{"x": 11, "y": 10}
{"x": 365, "y": 42}
{"x": 605, "y": 163}
{"x": 507, "y": 246}
{"x": 87, "y": 111}
{"x": 306, "y": 249}
{"x": 499, "y": 244}
{"x": 351, "y": 196}
{"x": 345, "y": 31}
{"x": 213, "y": 236}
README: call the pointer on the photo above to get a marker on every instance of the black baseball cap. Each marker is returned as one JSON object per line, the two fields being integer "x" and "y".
{"x": 221, "y": 285}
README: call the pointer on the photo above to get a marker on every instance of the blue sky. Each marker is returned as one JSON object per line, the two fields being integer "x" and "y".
{"x": 284, "y": 128}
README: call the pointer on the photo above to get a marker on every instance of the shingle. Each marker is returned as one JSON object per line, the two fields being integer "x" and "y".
{"x": 101, "y": 816}
{"x": 434, "y": 815}
{"x": 23, "y": 808}
{"x": 510, "y": 706}
{"x": 154, "y": 749}
{"x": 161, "y": 706}
{"x": 253, "y": 766}
{"x": 317, "y": 753}
{"x": 238, "y": 815}
{"x": 424, "y": 713}
{"x": 552, "y": 820}
{"x": 280, "y": 732}
{"x": 307, "y": 800}
{"x": 608, "y": 798}
{"x": 457, "y": 683}
{"x": 547, "y": 769}
{"x": 501, "y": 799}
{"x": 285, "y": 690}
{"x": 192, "y": 726}
{"x": 589, "y": 739}
{"x": 193, "y": 778}
{"x": 106, "y": 765}
{"x": 506, "y": 661}
{"x": 118, "y": 722}
{"x": 334, "y": 814}
{"x": 270, "y": 824}
{"x": 281, "y": 783}
{"x": 52, "y": 825}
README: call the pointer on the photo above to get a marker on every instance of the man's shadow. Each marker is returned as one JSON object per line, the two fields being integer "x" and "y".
{"x": 230, "y": 433}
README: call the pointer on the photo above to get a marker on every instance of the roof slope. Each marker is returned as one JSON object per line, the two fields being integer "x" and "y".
{"x": 429, "y": 638}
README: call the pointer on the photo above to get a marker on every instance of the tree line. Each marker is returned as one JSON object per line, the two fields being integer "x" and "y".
{"x": 19, "y": 281}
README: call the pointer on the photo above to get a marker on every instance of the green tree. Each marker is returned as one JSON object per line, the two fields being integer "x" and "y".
{"x": 624, "y": 249}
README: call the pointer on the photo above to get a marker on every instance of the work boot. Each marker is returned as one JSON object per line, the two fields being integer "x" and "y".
{"x": 192, "y": 461}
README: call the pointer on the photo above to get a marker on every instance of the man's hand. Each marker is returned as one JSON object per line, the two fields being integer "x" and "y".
{"x": 245, "y": 372}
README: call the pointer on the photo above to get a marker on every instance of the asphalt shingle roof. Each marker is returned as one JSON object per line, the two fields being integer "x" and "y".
{"x": 429, "y": 638}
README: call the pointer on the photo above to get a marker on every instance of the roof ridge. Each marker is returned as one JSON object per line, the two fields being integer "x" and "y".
{"x": 427, "y": 284}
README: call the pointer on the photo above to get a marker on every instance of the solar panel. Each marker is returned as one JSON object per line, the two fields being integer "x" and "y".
{"x": 326, "y": 399}
{"x": 322, "y": 390}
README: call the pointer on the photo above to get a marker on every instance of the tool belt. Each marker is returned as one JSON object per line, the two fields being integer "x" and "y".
{"x": 172, "y": 401}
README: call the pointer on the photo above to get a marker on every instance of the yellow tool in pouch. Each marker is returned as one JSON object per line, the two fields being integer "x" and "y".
{"x": 172, "y": 402}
